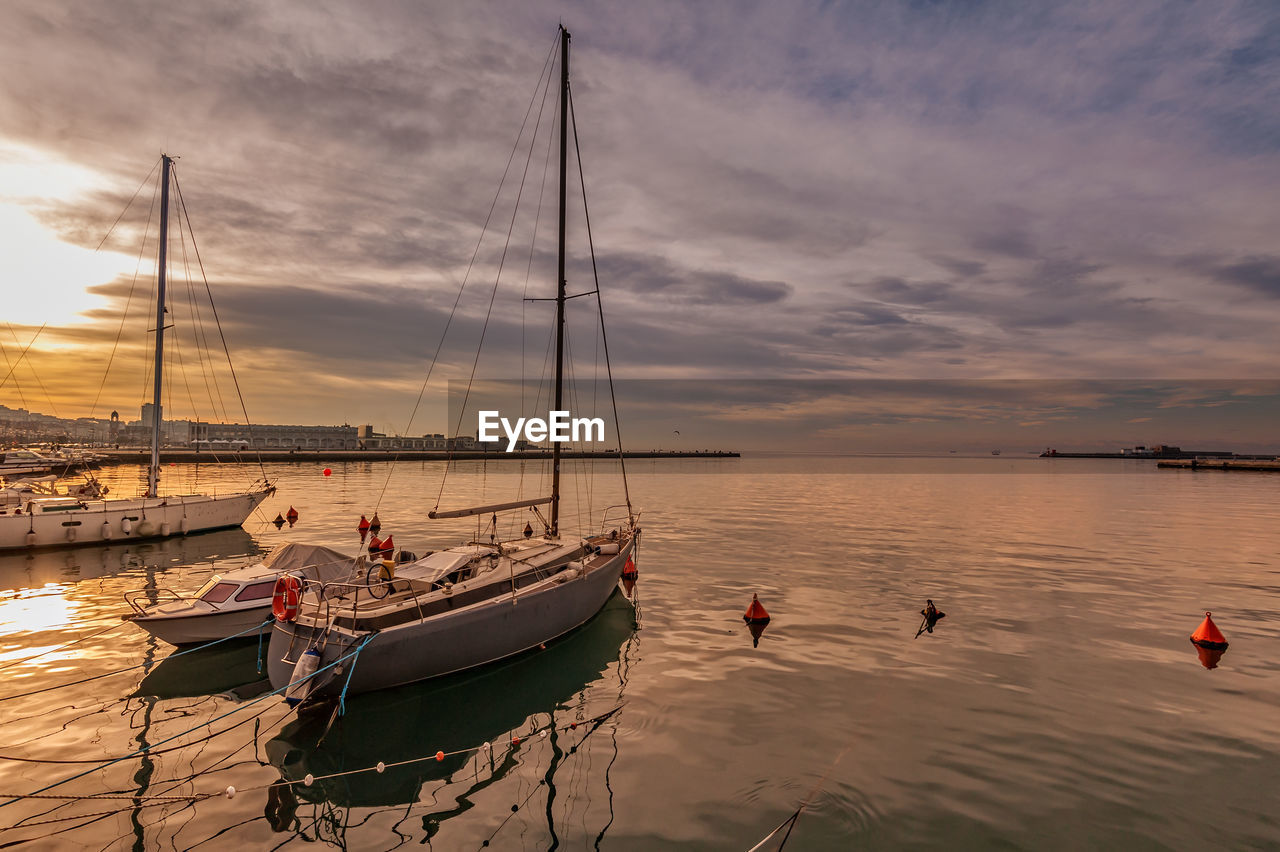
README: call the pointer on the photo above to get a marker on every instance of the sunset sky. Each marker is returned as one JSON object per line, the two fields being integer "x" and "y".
{"x": 1020, "y": 203}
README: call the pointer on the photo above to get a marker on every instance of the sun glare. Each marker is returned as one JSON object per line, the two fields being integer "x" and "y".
{"x": 46, "y": 280}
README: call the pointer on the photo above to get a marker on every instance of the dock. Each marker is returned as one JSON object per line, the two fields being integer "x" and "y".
{"x": 1255, "y": 465}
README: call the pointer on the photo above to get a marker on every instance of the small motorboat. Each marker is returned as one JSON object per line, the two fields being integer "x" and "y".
{"x": 234, "y": 601}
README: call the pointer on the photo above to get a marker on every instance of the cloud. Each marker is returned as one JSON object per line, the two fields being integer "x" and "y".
{"x": 814, "y": 190}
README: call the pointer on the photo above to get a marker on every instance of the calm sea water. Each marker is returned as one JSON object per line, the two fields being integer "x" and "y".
{"x": 1059, "y": 705}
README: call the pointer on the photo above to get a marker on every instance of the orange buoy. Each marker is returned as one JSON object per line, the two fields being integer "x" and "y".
{"x": 629, "y": 571}
{"x": 755, "y": 613}
{"x": 1208, "y": 635}
{"x": 387, "y": 545}
{"x": 292, "y": 515}
{"x": 375, "y": 544}
{"x": 363, "y": 527}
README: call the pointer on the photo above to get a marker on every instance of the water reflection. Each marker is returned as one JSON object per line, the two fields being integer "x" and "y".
{"x": 1209, "y": 657}
{"x": 42, "y": 567}
{"x": 228, "y": 668}
{"x": 455, "y": 714}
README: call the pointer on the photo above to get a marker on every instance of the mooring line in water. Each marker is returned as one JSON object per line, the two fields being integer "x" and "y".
{"x": 146, "y": 749}
{"x": 153, "y": 751}
{"x": 106, "y": 629}
{"x": 381, "y": 766}
{"x": 132, "y": 668}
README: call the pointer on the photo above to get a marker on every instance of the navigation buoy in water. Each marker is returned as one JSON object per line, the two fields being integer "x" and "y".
{"x": 375, "y": 524}
{"x": 755, "y": 613}
{"x": 629, "y": 572}
{"x": 932, "y": 615}
{"x": 328, "y": 471}
{"x": 279, "y": 521}
{"x": 1208, "y": 635}
{"x": 291, "y": 516}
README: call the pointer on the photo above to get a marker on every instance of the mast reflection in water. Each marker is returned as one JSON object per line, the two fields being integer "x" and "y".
{"x": 542, "y": 693}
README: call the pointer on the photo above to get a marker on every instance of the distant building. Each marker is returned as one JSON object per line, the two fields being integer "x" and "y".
{"x": 267, "y": 436}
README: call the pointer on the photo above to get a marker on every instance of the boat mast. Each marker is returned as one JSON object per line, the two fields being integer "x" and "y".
{"x": 153, "y": 472}
{"x": 560, "y": 282}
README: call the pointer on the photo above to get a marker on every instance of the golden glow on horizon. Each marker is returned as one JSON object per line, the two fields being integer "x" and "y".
{"x": 47, "y": 280}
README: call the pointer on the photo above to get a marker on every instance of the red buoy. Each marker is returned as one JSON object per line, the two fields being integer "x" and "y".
{"x": 387, "y": 546}
{"x": 364, "y": 525}
{"x": 1208, "y": 635}
{"x": 328, "y": 471}
{"x": 291, "y": 515}
{"x": 755, "y": 613}
{"x": 375, "y": 544}
{"x": 629, "y": 571}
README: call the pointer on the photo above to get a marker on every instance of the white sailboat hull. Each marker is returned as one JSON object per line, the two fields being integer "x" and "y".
{"x": 60, "y": 522}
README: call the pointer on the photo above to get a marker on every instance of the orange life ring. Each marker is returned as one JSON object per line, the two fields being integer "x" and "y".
{"x": 285, "y": 597}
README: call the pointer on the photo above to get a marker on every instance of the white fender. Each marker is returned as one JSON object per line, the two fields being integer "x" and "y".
{"x": 184, "y": 525}
{"x": 106, "y": 530}
{"x": 307, "y": 664}
{"x": 31, "y": 539}
{"x": 71, "y": 533}
{"x": 165, "y": 529}
{"x": 146, "y": 528}
{"x": 126, "y": 526}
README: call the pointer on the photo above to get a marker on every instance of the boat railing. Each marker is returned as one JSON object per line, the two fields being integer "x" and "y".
{"x": 615, "y": 518}
{"x": 332, "y": 590}
{"x": 131, "y": 598}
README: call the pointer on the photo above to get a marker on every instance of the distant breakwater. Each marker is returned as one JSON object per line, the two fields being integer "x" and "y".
{"x": 311, "y": 456}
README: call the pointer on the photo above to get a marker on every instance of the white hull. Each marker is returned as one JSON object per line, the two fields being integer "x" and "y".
{"x": 198, "y": 629}
{"x": 59, "y": 522}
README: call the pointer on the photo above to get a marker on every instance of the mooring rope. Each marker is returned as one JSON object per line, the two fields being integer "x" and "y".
{"x": 145, "y": 749}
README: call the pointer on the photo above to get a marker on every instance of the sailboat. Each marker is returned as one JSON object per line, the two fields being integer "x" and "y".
{"x": 464, "y": 606}
{"x": 61, "y": 520}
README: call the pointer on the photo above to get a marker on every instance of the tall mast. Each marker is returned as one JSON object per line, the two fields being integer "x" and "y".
{"x": 560, "y": 282}
{"x": 153, "y": 472}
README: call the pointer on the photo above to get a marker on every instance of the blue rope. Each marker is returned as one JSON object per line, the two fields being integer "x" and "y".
{"x": 342, "y": 698}
{"x": 209, "y": 723}
{"x": 141, "y": 665}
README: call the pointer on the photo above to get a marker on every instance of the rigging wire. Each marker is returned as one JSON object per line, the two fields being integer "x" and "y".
{"x": 492, "y": 295}
{"x": 467, "y": 275}
{"x": 184, "y": 214}
{"x": 129, "y": 204}
{"x": 34, "y": 374}
{"x": 137, "y": 267}
{"x": 21, "y": 356}
{"x": 622, "y": 461}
